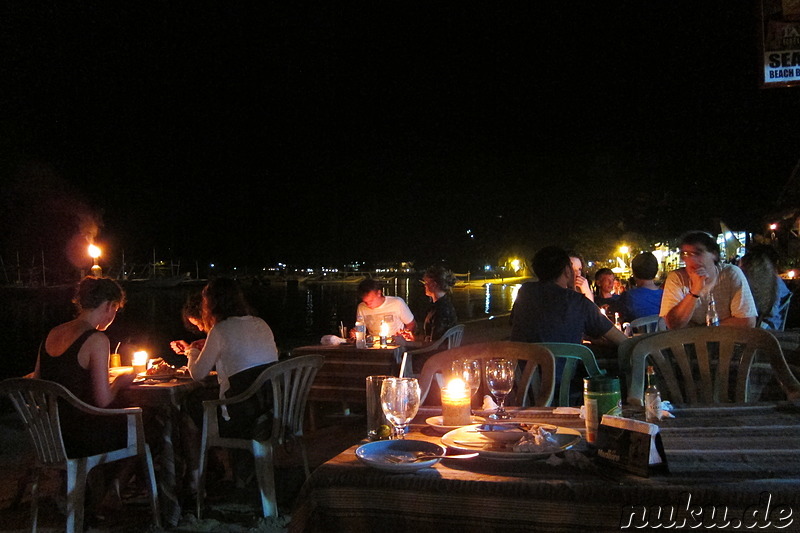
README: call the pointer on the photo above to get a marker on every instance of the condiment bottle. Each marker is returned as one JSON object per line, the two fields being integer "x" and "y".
{"x": 652, "y": 398}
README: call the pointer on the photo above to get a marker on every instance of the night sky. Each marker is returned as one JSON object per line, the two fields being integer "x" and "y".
{"x": 251, "y": 133}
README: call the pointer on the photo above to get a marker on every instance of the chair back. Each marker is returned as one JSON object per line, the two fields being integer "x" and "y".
{"x": 539, "y": 361}
{"x": 709, "y": 360}
{"x": 647, "y": 324}
{"x": 453, "y": 336}
{"x": 36, "y": 402}
{"x": 572, "y": 353}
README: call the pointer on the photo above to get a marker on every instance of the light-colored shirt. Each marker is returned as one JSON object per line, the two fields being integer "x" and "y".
{"x": 394, "y": 311}
{"x": 233, "y": 345}
{"x": 731, "y": 294}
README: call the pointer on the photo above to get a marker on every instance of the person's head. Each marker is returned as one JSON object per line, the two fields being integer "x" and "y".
{"x": 101, "y": 295}
{"x": 645, "y": 266}
{"x": 604, "y": 280}
{"x": 370, "y": 291}
{"x": 576, "y": 259}
{"x": 699, "y": 250}
{"x": 759, "y": 267}
{"x": 438, "y": 279}
{"x": 550, "y": 262}
{"x": 192, "y": 312}
{"x": 223, "y": 298}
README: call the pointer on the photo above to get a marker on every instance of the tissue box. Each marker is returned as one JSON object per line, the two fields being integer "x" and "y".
{"x": 631, "y": 445}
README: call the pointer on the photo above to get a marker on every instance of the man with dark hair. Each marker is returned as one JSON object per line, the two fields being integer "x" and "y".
{"x": 376, "y": 308}
{"x": 645, "y": 298}
{"x": 688, "y": 290}
{"x": 549, "y": 310}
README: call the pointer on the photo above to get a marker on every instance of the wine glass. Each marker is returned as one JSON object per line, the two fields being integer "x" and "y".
{"x": 468, "y": 370}
{"x": 499, "y": 374}
{"x": 400, "y": 402}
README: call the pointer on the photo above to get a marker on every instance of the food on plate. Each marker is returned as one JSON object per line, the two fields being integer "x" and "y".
{"x": 159, "y": 367}
{"x": 538, "y": 440}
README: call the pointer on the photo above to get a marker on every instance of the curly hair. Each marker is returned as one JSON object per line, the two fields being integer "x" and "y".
{"x": 92, "y": 292}
{"x": 443, "y": 277}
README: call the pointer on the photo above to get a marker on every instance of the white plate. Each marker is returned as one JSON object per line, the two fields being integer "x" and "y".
{"x": 436, "y": 423}
{"x": 467, "y": 439}
{"x": 374, "y": 454}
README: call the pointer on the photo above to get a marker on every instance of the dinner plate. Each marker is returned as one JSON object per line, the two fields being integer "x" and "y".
{"x": 468, "y": 439}
{"x": 375, "y": 454}
{"x": 436, "y": 423}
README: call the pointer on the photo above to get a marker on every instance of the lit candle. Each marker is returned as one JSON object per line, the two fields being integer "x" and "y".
{"x": 456, "y": 403}
{"x": 139, "y": 362}
{"x": 384, "y": 332}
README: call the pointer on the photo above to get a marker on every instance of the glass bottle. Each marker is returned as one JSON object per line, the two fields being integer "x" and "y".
{"x": 652, "y": 398}
{"x": 361, "y": 332}
{"x": 712, "y": 318}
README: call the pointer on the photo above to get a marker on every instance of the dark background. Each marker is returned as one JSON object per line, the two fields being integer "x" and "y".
{"x": 247, "y": 133}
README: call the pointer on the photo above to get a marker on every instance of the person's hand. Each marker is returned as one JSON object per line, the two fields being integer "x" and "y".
{"x": 198, "y": 345}
{"x": 698, "y": 279}
{"x": 179, "y": 347}
{"x": 407, "y": 335}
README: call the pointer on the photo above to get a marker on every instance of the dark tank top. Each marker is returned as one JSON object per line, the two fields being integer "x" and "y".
{"x": 84, "y": 434}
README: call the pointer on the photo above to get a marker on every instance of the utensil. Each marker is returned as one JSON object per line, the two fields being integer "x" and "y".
{"x": 420, "y": 456}
{"x": 400, "y": 402}
{"x": 499, "y": 374}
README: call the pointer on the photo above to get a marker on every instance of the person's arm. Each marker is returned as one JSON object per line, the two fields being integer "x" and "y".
{"x": 103, "y": 391}
{"x": 614, "y": 335}
{"x": 746, "y": 322}
{"x": 202, "y": 354}
{"x": 583, "y": 287}
{"x": 678, "y": 304}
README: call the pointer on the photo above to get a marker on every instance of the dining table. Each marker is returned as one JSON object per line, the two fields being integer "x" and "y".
{"x": 728, "y": 467}
{"x": 165, "y": 401}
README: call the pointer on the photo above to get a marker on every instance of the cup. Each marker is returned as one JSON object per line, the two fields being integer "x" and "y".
{"x": 378, "y": 427}
{"x": 601, "y": 396}
{"x": 114, "y": 360}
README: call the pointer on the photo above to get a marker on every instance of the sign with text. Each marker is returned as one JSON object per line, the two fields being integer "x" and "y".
{"x": 631, "y": 445}
{"x": 780, "y": 42}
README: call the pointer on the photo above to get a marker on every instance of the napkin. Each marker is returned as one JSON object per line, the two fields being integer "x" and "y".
{"x": 488, "y": 403}
{"x": 331, "y": 340}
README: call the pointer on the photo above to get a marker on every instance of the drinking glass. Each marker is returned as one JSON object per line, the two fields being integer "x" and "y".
{"x": 499, "y": 374}
{"x": 468, "y": 370}
{"x": 400, "y": 402}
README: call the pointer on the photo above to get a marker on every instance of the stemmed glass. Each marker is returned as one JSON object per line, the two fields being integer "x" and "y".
{"x": 500, "y": 380}
{"x": 400, "y": 402}
{"x": 468, "y": 370}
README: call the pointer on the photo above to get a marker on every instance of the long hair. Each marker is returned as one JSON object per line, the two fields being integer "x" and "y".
{"x": 758, "y": 265}
{"x": 223, "y": 298}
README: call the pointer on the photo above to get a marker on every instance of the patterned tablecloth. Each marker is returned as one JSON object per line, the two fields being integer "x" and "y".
{"x": 741, "y": 463}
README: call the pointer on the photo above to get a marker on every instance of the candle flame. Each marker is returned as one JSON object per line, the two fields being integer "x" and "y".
{"x": 140, "y": 358}
{"x": 456, "y": 386}
{"x": 384, "y": 332}
{"x": 94, "y": 251}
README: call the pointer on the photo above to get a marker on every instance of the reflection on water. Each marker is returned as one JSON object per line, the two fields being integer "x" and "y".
{"x": 152, "y": 317}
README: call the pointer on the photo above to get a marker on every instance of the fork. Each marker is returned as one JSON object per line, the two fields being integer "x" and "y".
{"x": 397, "y": 459}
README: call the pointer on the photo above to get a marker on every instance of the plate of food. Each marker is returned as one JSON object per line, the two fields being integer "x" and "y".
{"x": 437, "y": 423}
{"x": 512, "y": 441}
{"x": 163, "y": 371}
{"x": 399, "y": 455}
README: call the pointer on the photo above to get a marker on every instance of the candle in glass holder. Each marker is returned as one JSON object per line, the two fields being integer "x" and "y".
{"x": 384, "y": 332}
{"x": 139, "y": 362}
{"x": 456, "y": 403}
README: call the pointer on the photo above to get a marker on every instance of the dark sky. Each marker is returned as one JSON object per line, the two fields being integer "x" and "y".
{"x": 252, "y": 132}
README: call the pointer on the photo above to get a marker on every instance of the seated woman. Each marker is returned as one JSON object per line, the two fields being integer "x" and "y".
{"x": 441, "y": 316}
{"x": 192, "y": 314}
{"x": 75, "y": 354}
{"x": 770, "y": 292}
{"x": 239, "y": 345}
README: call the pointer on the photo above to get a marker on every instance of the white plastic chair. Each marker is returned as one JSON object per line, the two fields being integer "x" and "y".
{"x": 647, "y": 324}
{"x": 452, "y": 337}
{"x": 36, "y": 402}
{"x": 291, "y": 381}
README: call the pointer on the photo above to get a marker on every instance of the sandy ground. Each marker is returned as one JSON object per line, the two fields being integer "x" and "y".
{"x": 231, "y": 509}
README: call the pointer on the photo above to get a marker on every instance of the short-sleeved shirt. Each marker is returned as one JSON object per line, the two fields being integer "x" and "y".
{"x": 393, "y": 311}
{"x": 639, "y": 302}
{"x": 731, "y": 293}
{"x": 545, "y": 312}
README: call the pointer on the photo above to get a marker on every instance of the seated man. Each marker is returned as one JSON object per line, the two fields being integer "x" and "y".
{"x": 377, "y": 308}
{"x": 645, "y": 298}
{"x": 549, "y": 310}
{"x": 606, "y": 297}
{"x": 688, "y": 290}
